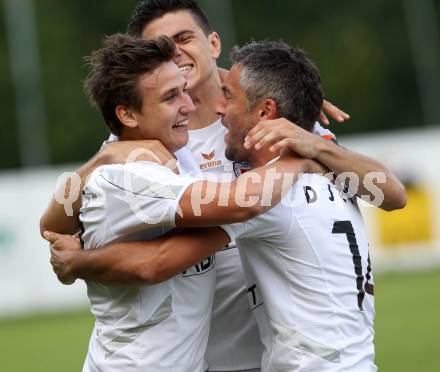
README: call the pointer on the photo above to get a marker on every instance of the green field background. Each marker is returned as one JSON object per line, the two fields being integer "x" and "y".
{"x": 407, "y": 331}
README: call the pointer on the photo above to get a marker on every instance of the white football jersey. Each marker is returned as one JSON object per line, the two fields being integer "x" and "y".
{"x": 323, "y": 132}
{"x": 151, "y": 328}
{"x": 234, "y": 343}
{"x": 308, "y": 259}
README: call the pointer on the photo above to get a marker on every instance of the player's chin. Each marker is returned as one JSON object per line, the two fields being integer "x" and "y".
{"x": 181, "y": 138}
{"x": 230, "y": 152}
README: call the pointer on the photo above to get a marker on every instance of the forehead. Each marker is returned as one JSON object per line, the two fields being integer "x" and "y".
{"x": 232, "y": 80}
{"x": 171, "y": 24}
{"x": 167, "y": 76}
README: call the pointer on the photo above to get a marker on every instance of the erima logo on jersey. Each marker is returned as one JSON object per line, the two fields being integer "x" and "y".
{"x": 211, "y": 163}
{"x": 209, "y": 156}
{"x": 200, "y": 268}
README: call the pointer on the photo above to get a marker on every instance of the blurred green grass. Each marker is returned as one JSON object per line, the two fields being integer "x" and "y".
{"x": 407, "y": 321}
{"x": 407, "y": 329}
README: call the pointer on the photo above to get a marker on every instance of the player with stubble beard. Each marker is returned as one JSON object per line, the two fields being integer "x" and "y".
{"x": 158, "y": 323}
{"x": 232, "y": 345}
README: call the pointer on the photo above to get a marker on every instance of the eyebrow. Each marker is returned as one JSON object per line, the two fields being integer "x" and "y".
{"x": 181, "y": 33}
{"x": 172, "y": 90}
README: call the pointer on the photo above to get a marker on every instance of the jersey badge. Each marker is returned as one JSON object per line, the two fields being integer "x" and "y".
{"x": 240, "y": 168}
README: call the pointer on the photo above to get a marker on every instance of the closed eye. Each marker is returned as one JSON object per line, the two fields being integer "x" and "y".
{"x": 226, "y": 93}
{"x": 174, "y": 93}
{"x": 170, "y": 96}
{"x": 183, "y": 37}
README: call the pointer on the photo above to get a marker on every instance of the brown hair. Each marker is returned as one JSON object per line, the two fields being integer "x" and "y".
{"x": 115, "y": 69}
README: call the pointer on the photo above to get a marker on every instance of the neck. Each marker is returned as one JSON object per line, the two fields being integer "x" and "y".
{"x": 205, "y": 98}
{"x": 128, "y": 134}
{"x": 258, "y": 158}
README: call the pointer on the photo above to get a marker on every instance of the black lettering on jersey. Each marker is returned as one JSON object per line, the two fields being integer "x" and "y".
{"x": 369, "y": 287}
{"x": 255, "y": 298}
{"x": 344, "y": 195}
{"x": 252, "y": 291}
{"x": 346, "y": 227}
{"x": 205, "y": 264}
{"x": 307, "y": 191}
{"x": 331, "y": 197}
{"x": 200, "y": 268}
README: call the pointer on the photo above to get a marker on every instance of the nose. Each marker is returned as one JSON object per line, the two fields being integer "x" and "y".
{"x": 220, "y": 105}
{"x": 188, "y": 105}
{"x": 178, "y": 55}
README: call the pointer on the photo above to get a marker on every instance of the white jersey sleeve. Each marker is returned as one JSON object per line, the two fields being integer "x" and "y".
{"x": 254, "y": 228}
{"x": 122, "y": 199}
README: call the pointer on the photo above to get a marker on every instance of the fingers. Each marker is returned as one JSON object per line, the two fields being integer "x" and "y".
{"x": 58, "y": 268}
{"x": 254, "y": 134}
{"x": 157, "y": 146}
{"x": 269, "y": 139}
{"x": 286, "y": 143}
{"x": 264, "y": 125}
{"x": 67, "y": 280}
{"x": 77, "y": 237}
{"x": 55, "y": 262}
{"x": 60, "y": 242}
{"x": 172, "y": 164}
{"x": 163, "y": 154}
{"x": 269, "y": 131}
{"x": 334, "y": 112}
{"x": 323, "y": 118}
{"x": 51, "y": 237}
{"x": 252, "y": 139}
{"x": 153, "y": 152}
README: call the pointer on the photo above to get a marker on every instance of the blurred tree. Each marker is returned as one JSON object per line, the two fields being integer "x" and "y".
{"x": 362, "y": 51}
{"x": 8, "y": 134}
{"x": 69, "y": 31}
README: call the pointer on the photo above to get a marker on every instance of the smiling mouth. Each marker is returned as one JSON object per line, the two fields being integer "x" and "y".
{"x": 186, "y": 68}
{"x": 181, "y": 124}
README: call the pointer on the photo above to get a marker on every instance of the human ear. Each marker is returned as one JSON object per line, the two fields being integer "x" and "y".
{"x": 268, "y": 109}
{"x": 215, "y": 44}
{"x": 126, "y": 116}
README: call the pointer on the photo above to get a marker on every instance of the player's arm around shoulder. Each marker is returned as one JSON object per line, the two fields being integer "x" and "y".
{"x": 177, "y": 252}
{"x": 375, "y": 183}
{"x": 157, "y": 260}
{"x": 134, "y": 263}
{"x": 207, "y": 203}
{"x": 108, "y": 214}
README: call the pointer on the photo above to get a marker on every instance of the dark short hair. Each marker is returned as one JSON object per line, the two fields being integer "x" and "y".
{"x": 283, "y": 73}
{"x": 148, "y": 10}
{"x": 115, "y": 69}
